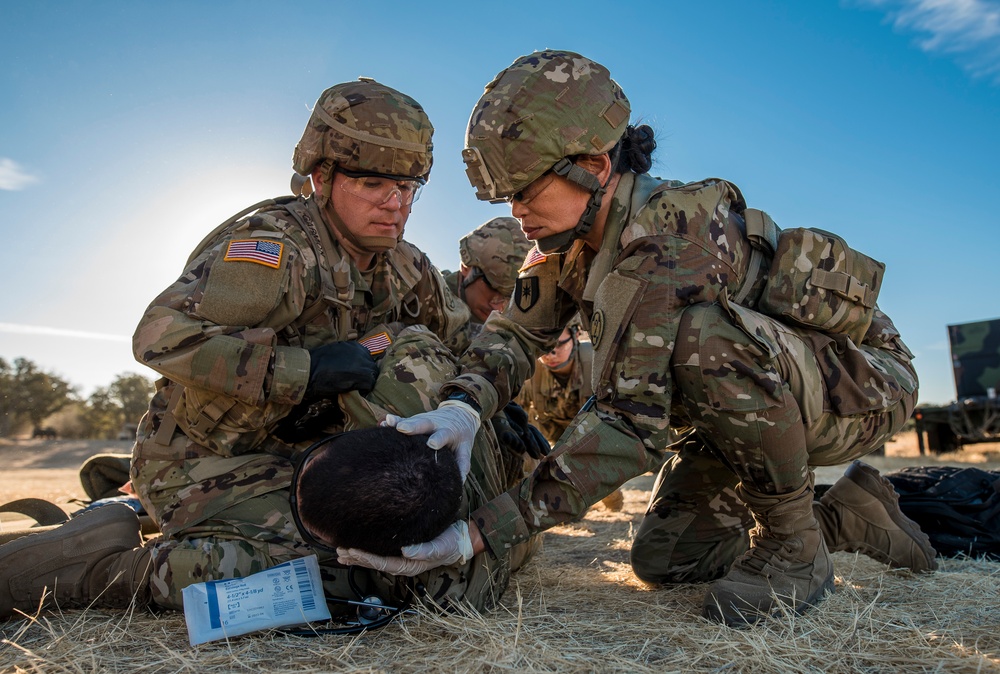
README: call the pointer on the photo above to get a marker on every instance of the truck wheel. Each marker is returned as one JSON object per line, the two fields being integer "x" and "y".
{"x": 941, "y": 440}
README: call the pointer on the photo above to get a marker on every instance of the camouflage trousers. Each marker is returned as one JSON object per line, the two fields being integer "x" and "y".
{"x": 231, "y": 538}
{"x": 763, "y": 403}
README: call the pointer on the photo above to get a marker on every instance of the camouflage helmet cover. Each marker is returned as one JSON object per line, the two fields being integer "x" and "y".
{"x": 367, "y": 127}
{"x": 546, "y": 106}
{"x": 497, "y": 248}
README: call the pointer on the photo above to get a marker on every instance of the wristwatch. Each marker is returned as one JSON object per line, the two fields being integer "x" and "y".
{"x": 466, "y": 398}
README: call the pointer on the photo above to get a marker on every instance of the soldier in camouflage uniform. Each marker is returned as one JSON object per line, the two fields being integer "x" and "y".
{"x": 264, "y": 321}
{"x": 666, "y": 280}
{"x": 560, "y": 384}
{"x": 491, "y": 256}
{"x": 256, "y": 533}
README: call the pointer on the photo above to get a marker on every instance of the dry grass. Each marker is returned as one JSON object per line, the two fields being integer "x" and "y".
{"x": 578, "y": 608}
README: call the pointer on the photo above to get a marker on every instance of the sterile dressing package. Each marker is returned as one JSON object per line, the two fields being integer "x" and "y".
{"x": 287, "y": 594}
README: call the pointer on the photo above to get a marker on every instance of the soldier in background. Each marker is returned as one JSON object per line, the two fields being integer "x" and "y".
{"x": 258, "y": 343}
{"x": 491, "y": 255}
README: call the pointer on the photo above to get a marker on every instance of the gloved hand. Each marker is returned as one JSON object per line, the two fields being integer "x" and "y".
{"x": 453, "y": 424}
{"x": 513, "y": 430}
{"x": 340, "y": 367}
{"x": 453, "y": 545}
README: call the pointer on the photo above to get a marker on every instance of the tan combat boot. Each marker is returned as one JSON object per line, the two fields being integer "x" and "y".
{"x": 787, "y": 563}
{"x": 860, "y": 513}
{"x": 94, "y": 559}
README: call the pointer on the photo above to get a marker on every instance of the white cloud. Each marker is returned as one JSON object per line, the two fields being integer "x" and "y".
{"x": 966, "y": 29}
{"x": 16, "y": 329}
{"x": 13, "y": 177}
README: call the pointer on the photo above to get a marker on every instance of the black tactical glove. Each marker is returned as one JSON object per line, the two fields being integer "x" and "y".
{"x": 340, "y": 367}
{"x": 514, "y": 431}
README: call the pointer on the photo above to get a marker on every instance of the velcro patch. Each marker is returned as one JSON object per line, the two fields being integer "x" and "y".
{"x": 267, "y": 253}
{"x": 534, "y": 257}
{"x": 376, "y": 344}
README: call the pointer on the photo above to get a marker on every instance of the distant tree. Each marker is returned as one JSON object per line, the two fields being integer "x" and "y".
{"x": 27, "y": 394}
{"x": 103, "y": 415}
{"x": 132, "y": 392}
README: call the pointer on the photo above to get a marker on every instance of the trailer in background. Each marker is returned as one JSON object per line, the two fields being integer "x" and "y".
{"x": 975, "y": 414}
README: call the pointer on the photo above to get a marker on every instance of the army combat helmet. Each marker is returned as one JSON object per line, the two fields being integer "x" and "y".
{"x": 544, "y": 109}
{"x": 494, "y": 251}
{"x": 367, "y": 127}
{"x": 364, "y": 128}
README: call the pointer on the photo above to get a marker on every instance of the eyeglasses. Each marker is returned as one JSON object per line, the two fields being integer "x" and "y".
{"x": 525, "y": 196}
{"x": 560, "y": 343}
{"x": 379, "y": 190}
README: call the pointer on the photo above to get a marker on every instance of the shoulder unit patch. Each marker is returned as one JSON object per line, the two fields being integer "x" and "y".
{"x": 267, "y": 253}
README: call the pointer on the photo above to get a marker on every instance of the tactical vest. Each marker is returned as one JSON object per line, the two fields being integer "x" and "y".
{"x": 228, "y": 426}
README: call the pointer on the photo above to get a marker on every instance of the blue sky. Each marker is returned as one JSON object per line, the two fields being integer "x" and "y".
{"x": 128, "y": 130}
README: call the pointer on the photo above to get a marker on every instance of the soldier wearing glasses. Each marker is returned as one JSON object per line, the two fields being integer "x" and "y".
{"x": 278, "y": 312}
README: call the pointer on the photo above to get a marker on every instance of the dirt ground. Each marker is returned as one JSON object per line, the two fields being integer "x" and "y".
{"x": 49, "y": 469}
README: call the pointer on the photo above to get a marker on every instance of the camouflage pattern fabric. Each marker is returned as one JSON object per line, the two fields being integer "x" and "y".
{"x": 496, "y": 248}
{"x": 508, "y": 141}
{"x": 552, "y": 404}
{"x": 696, "y": 525}
{"x": 975, "y": 350}
{"x": 256, "y": 533}
{"x": 366, "y": 127}
{"x": 234, "y": 329}
{"x": 725, "y": 374}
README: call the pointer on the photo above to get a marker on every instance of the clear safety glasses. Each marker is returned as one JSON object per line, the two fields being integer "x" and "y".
{"x": 525, "y": 196}
{"x": 379, "y": 190}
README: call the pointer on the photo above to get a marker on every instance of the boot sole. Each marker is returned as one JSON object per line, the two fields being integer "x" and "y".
{"x": 714, "y": 612}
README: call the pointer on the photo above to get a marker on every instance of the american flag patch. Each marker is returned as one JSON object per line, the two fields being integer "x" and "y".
{"x": 376, "y": 344}
{"x": 267, "y": 253}
{"x": 534, "y": 257}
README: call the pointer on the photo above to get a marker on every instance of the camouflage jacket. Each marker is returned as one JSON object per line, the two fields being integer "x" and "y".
{"x": 231, "y": 335}
{"x": 552, "y": 403}
{"x": 666, "y": 246}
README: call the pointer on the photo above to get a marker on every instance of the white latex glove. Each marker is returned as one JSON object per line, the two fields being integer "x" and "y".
{"x": 453, "y": 545}
{"x": 453, "y": 424}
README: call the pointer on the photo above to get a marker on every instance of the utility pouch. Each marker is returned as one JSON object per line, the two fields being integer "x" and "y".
{"x": 817, "y": 281}
{"x": 224, "y": 425}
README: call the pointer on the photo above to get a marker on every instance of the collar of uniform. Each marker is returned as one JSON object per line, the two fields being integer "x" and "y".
{"x": 334, "y": 253}
{"x": 613, "y": 228}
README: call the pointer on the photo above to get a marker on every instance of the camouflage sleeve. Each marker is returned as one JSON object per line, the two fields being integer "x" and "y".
{"x": 601, "y": 454}
{"x": 216, "y": 327}
{"x": 502, "y": 356}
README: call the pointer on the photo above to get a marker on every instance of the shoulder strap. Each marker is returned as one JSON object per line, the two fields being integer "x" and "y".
{"x": 587, "y": 361}
{"x": 335, "y": 276}
{"x": 214, "y": 234}
{"x": 762, "y": 234}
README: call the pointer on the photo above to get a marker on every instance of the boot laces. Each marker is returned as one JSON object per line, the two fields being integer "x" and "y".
{"x": 766, "y": 551}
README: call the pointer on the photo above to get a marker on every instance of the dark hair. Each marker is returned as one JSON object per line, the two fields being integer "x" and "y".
{"x": 378, "y": 490}
{"x": 635, "y": 150}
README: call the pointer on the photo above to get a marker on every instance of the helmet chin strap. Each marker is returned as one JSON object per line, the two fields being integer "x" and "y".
{"x": 561, "y": 242}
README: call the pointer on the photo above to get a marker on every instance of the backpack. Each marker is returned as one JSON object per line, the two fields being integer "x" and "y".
{"x": 814, "y": 279}
{"x": 958, "y": 508}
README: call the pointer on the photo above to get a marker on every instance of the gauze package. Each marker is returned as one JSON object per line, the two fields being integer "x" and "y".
{"x": 287, "y": 594}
